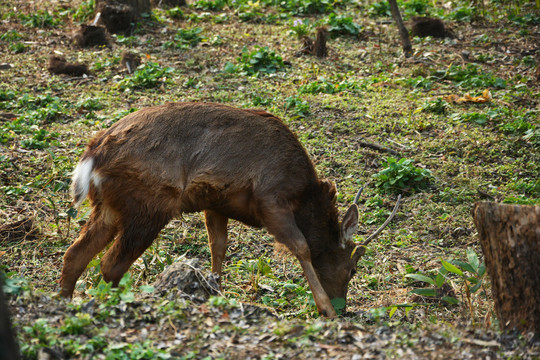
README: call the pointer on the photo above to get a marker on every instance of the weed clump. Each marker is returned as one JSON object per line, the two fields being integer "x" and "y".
{"x": 260, "y": 60}
{"x": 147, "y": 76}
{"x": 402, "y": 177}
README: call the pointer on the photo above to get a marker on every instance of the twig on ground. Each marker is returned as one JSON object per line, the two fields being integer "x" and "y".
{"x": 378, "y": 147}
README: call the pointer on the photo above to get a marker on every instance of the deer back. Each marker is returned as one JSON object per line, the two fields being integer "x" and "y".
{"x": 206, "y": 156}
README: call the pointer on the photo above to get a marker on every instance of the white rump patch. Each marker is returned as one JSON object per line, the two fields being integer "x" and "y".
{"x": 80, "y": 184}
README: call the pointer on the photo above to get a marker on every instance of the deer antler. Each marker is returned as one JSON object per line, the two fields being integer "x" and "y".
{"x": 358, "y": 195}
{"x": 378, "y": 231}
{"x": 374, "y": 235}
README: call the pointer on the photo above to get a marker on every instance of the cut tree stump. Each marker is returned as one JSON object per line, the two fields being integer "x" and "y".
{"x": 510, "y": 239}
{"x": 120, "y": 16}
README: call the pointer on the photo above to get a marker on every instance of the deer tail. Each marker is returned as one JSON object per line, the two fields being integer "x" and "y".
{"x": 83, "y": 174}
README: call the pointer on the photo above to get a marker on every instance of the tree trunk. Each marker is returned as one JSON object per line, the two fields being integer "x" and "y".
{"x": 403, "y": 33}
{"x": 9, "y": 349}
{"x": 510, "y": 239}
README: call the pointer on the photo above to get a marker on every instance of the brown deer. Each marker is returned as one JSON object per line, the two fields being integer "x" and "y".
{"x": 157, "y": 163}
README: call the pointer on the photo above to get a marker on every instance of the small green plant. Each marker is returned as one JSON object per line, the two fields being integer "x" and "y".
{"x": 149, "y": 75}
{"x": 470, "y": 77}
{"x": 90, "y": 104}
{"x": 380, "y": 9}
{"x": 45, "y": 333}
{"x": 175, "y": 13}
{"x": 210, "y": 5}
{"x": 533, "y": 135}
{"x": 128, "y": 40}
{"x": 418, "y": 82}
{"x": 12, "y": 284}
{"x": 222, "y": 302}
{"x": 338, "y": 304}
{"x": 11, "y": 35}
{"x": 105, "y": 293}
{"x": 17, "y": 48}
{"x": 260, "y": 60}
{"x": 77, "y": 324}
{"x": 470, "y": 273}
{"x": 525, "y": 20}
{"x": 521, "y": 200}
{"x": 39, "y": 19}
{"x": 438, "y": 106}
{"x": 42, "y": 139}
{"x": 476, "y": 117}
{"x": 462, "y": 13}
{"x": 341, "y": 25}
{"x": 142, "y": 350}
{"x": 296, "y": 295}
{"x": 415, "y": 7}
{"x": 327, "y": 86}
{"x": 297, "y": 106}
{"x": 85, "y": 11}
{"x": 301, "y": 27}
{"x": 482, "y": 39}
{"x": 402, "y": 176}
{"x": 517, "y": 122}
{"x": 188, "y": 38}
{"x": 307, "y": 7}
{"x": 256, "y": 269}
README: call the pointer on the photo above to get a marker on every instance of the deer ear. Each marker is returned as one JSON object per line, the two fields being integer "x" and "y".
{"x": 349, "y": 225}
{"x": 328, "y": 187}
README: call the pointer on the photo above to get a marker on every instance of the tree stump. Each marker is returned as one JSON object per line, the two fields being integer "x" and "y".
{"x": 119, "y": 16}
{"x": 319, "y": 49}
{"x": 510, "y": 239}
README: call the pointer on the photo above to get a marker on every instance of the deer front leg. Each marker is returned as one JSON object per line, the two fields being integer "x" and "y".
{"x": 281, "y": 224}
{"x": 216, "y": 226}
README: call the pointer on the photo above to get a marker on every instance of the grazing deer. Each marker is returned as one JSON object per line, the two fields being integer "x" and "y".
{"x": 157, "y": 163}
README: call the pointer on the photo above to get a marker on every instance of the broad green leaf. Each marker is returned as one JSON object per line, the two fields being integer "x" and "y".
{"x": 338, "y": 304}
{"x": 448, "y": 266}
{"x": 451, "y": 300}
{"x": 147, "y": 288}
{"x": 230, "y": 67}
{"x": 127, "y": 297}
{"x": 476, "y": 287}
{"x": 420, "y": 277}
{"x": 424, "y": 292}
{"x": 408, "y": 309}
{"x": 465, "y": 266}
{"x": 392, "y": 311}
{"x": 473, "y": 259}
{"x": 439, "y": 280}
{"x": 72, "y": 212}
{"x": 482, "y": 269}
{"x": 290, "y": 286}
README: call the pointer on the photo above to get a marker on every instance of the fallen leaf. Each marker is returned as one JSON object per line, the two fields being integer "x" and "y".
{"x": 453, "y": 98}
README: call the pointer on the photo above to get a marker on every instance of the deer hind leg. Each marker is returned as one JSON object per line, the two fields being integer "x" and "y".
{"x": 137, "y": 232}
{"x": 216, "y": 226}
{"x": 281, "y": 224}
{"x": 95, "y": 235}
